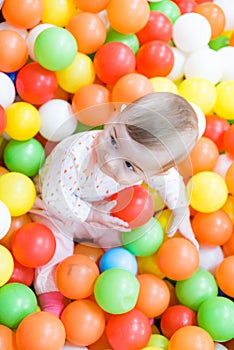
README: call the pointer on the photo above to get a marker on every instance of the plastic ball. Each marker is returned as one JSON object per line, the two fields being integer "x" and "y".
{"x": 128, "y": 16}
{"x": 177, "y": 258}
{"x": 175, "y": 317}
{"x": 210, "y": 314}
{"x": 199, "y": 91}
{"x": 207, "y": 191}
{"x": 177, "y": 71}
{"x": 40, "y": 330}
{"x": 7, "y": 265}
{"x": 69, "y": 346}
{"x": 58, "y": 13}
{"x": 78, "y": 74}
{"x": 210, "y": 257}
{"x": 114, "y": 60}
{"x": 224, "y": 275}
{"x": 116, "y": 290}
{"x": 224, "y": 103}
{"x": 158, "y": 341}
{"x": 225, "y": 56}
{"x": 7, "y": 91}
{"x": 215, "y": 129}
{"x": 191, "y": 32}
{"x": 129, "y": 331}
{"x": 229, "y": 179}
{"x": 163, "y": 84}
{"x": 144, "y": 240}
{"x": 168, "y": 8}
{"x": 155, "y": 58}
{"x": 36, "y": 84}
{"x": 88, "y": 30}
{"x": 84, "y": 322}
{"x": 25, "y": 157}
{"x": 18, "y": 192}
{"x": 23, "y": 121}
{"x": 57, "y": 120}
{"x": 118, "y": 258}
{"x": 154, "y": 295}
{"x": 91, "y": 6}
{"x": 92, "y": 250}
{"x": 22, "y": 274}
{"x": 130, "y": 87}
{"x": 23, "y": 13}
{"x": 76, "y": 275}
{"x": 130, "y": 40}
{"x": 228, "y": 140}
{"x": 5, "y": 219}
{"x": 17, "y": 301}
{"x": 55, "y": 48}
{"x": 32, "y": 35}
{"x": 193, "y": 291}
{"x": 13, "y": 51}
{"x": 223, "y": 164}
{"x": 191, "y": 338}
{"x": 204, "y": 155}
{"x": 148, "y": 264}
{"x": 7, "y": 337}
{"x": 6, "y": 26}
{"x": 135, "y": 205}
{"x": 228, "y": 9}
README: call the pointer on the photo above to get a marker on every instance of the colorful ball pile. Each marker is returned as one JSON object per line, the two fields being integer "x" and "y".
{"x": 64, "y": 67}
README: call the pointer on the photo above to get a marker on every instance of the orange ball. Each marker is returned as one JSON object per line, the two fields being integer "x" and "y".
{"x": 228, "y": 207}
{"x": 89, "y": 31}
{"x": 13, "y": 51}
{"x": 212, "y": 228}
{"x": 128, "y": 16}
{"x": 225, "y": 275}
{"x": 40, "y": 330}
{"x": 228, "y": 247}
{"x": 154, "y": 295}
{"x": 204, "y": 155}
{"x": 177, "y": 258}
{"x": 23, "y": 13}
{"x": 92, "y": 250}
{"x": 7, "y": 338}
{"x": 130, "y": 87}
{"x": 91, "y": 5}
{"x": 84, "y": 322}
{"x": 229, "y": 178}
{"x": 76, "y": 275}
{"x": 191, "y": 338}
{"x": 215, "y": 16}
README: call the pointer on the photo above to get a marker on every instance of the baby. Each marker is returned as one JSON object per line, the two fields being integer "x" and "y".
{"x": 143, "y": 143}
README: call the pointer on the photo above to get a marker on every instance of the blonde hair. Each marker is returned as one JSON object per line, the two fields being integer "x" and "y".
{"x": 162, "y": 121}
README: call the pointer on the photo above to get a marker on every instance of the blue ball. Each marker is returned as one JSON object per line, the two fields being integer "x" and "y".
{"x": 118, "y": 258}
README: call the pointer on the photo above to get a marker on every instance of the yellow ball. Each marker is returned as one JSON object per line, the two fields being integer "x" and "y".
{"x": 161, "y": 84}
{"x": 207, "y": 191}
{"x": 80, "y": 73}
{"x": 151, "y": 348}
{"x": 158, "y": 202}
{"x": 148, "y": 264}
{"x": 224, "y": 105}
{"x": 199, "y": 91}
{"x": 18, "y": 192}
{"x": 23, "y": 121}
{"x": 6, "y": 266}
{"x": 58, "y": 12}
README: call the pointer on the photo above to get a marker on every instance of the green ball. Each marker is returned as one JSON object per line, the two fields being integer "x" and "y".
{"x": 130, "y": 40}
{"x": 168, "y": 8}
{"x": 219, "y": 42}
{"x": 159, "y": 341}
{"x": 25, "y": 157}
{"x": 55, "y": 48}
{"x": 16, "y": 302}
{"x": 144, "y": 240}
{"x": 116, "y": 290}
{"x": 193, "y": 291}
{"x": 216, "y": 316}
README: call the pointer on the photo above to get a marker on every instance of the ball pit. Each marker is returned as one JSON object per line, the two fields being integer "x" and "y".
{"x": 59, "y": 60}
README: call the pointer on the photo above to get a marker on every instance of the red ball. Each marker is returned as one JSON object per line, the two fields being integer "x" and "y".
{"x": 36, "y": 84}
{"x": 175, "y": 317}
{"x": 228, "y": 140}
{"x": 135, "y": 205}
{"x": 33, "y": 245}
{"x": 155, "y": 59}
{"x": 22, "y": 274}
{"x": 3, "y": 119}
{"x": 158, "y": 27}
{"x": 112, "y": 61}
{"x": 215, "y": 129}
{"x": 128, "y": 331}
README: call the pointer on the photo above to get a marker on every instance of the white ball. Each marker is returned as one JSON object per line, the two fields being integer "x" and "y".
{"x": 222, "y": 165}
{"x": 5, "y": 219}
{"x": 219, "y": 346}
{"x": 210, "y": 257}
{"x": 204, "y": 63}
{"x": 201, "y": 119}
{"x": 57, "y": 120}
{"x": 7, "y": 26}
{"x": 226, "y": 58}
{"x": 228, "y": 8}
{"x": 191, "y": 32}
{"x": 7, "y": 88}
{"x": 69, "y": 346}
{"x": 177, "y": 71}
{"x": 33, "y": 34}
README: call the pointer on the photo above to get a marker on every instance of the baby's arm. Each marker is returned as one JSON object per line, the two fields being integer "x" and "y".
{"x": 172, "y": 190}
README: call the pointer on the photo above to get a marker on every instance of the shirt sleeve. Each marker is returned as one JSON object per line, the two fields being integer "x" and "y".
{"x": 171, "y": 188}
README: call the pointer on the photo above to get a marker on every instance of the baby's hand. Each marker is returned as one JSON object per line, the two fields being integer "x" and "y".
{"x": 100, "y": 212}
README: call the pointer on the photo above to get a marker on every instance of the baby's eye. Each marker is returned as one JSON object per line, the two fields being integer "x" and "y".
{"x": 113, "y": 142}
{"x": 129, "y": 166}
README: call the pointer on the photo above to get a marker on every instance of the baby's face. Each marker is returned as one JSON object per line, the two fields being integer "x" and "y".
{"x": 124, "y": 159}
